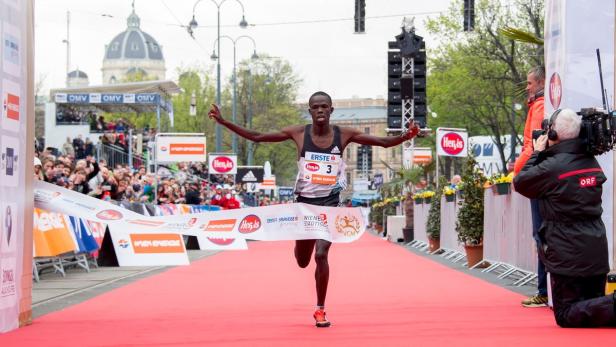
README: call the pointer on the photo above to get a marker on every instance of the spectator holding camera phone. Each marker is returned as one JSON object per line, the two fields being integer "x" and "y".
{"x": 566, "y": 181}
{"x": 535, "y": 83}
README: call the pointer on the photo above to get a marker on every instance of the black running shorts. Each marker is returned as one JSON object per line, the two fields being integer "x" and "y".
{"x": 330, "y": 200}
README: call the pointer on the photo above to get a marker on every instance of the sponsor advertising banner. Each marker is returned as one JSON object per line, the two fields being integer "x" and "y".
{"x": 451, "y": 142}
{"x": 222, "y": 164}
{"x": 106, "y": 98}
{"x": 421, "y": 156}
{"x": 268, "y": 183}
{"x": 138, "y": 248}
{"x": 13, "y": 144}
{"x": 268, "y": 223}
{"x": 572, "y": 72}
{"x": 173, "y": 149}
{"x": 51, "y": 234}
{"x": 249, "y": 174}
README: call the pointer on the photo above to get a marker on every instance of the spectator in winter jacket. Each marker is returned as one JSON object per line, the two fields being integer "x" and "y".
{"x": 567, "y": 183}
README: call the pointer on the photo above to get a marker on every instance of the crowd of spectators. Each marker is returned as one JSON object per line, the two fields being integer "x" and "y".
{"x": 75, "y": 167}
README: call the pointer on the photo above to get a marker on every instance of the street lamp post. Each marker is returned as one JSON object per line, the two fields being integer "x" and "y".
{"x": 217, "y": 57}
{"x": 193, "y": 25}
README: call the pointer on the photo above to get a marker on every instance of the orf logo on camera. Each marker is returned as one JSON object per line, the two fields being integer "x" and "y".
{"x": 452, "y": 143}
{"x": 556, "y": 90}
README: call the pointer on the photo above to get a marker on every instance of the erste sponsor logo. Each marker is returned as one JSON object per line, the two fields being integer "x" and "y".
{"x": 323, "y": 157}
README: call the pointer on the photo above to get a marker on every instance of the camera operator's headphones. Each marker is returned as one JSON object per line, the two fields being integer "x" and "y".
{"x": 552, "y": 135}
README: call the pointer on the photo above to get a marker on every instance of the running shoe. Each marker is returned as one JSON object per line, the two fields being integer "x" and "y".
{"x": 536, "y": 301}
{"x": 321, "y": 319}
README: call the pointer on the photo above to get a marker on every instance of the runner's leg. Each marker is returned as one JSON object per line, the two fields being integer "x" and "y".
{"x": 321, "y": 275}
{"x": 303, "y": 252}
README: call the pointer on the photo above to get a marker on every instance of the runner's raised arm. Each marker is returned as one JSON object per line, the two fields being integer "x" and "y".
{"x": 286, "y": 133}
{"x": 353, "y": 135}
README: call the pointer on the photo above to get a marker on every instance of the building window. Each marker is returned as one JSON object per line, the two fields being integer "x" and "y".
{"x": 366, "y": 130}
{"x": 393, "y": 153}
{"x": 348, "y": 152}
{"x": 134, "y": 46}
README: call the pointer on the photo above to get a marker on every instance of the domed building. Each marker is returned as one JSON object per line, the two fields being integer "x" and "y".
{"x": 77, "y": 79}
{"x": 133, "y": 55}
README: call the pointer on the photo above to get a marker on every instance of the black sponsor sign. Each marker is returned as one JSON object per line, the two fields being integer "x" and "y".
{"x": 249, "y": 175}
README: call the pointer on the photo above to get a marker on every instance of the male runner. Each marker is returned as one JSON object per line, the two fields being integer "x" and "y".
{"x": 321, "y": 187}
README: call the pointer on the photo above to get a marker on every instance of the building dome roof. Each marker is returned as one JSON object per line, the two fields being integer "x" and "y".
{"x": 133, "y": 43}
{"x": 77, "y": 74}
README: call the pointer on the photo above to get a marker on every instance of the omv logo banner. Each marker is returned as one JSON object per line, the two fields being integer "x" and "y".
{"x": 486, "y": 150}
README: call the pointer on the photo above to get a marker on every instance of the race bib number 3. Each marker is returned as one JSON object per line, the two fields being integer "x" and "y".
{"x": 321, "y": 168}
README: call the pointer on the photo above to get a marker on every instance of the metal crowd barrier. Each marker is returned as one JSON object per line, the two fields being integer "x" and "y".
{"x": 420, "y": 218}
{"x": 449, "y": 245}
{"x": 508, "y": 244}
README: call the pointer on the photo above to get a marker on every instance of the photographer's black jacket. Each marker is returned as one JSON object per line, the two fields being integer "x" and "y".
{"x": 567, "y": 183}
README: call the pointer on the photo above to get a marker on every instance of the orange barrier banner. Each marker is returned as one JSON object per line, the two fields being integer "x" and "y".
{"x": 52, "y": 235}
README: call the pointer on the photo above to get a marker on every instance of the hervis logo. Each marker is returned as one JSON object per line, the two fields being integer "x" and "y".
{"x": 312, "y": 167}
{"x": 249, "y": 224}
{"x": 109, "y": 215}
{"x": 452, "y": 143}
{"x": 222, "y": 164}
{"x": 220, "y": 241}
{"x": 347, "y": 225}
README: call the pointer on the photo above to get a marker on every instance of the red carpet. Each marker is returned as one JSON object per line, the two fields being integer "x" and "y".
{"x": 380, "y": 295}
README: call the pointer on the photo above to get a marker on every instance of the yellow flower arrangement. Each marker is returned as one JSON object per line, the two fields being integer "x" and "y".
{"x": 500, "y": 178}
{"x": 428, "y": 194}
{"x": 449, "y": 191}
